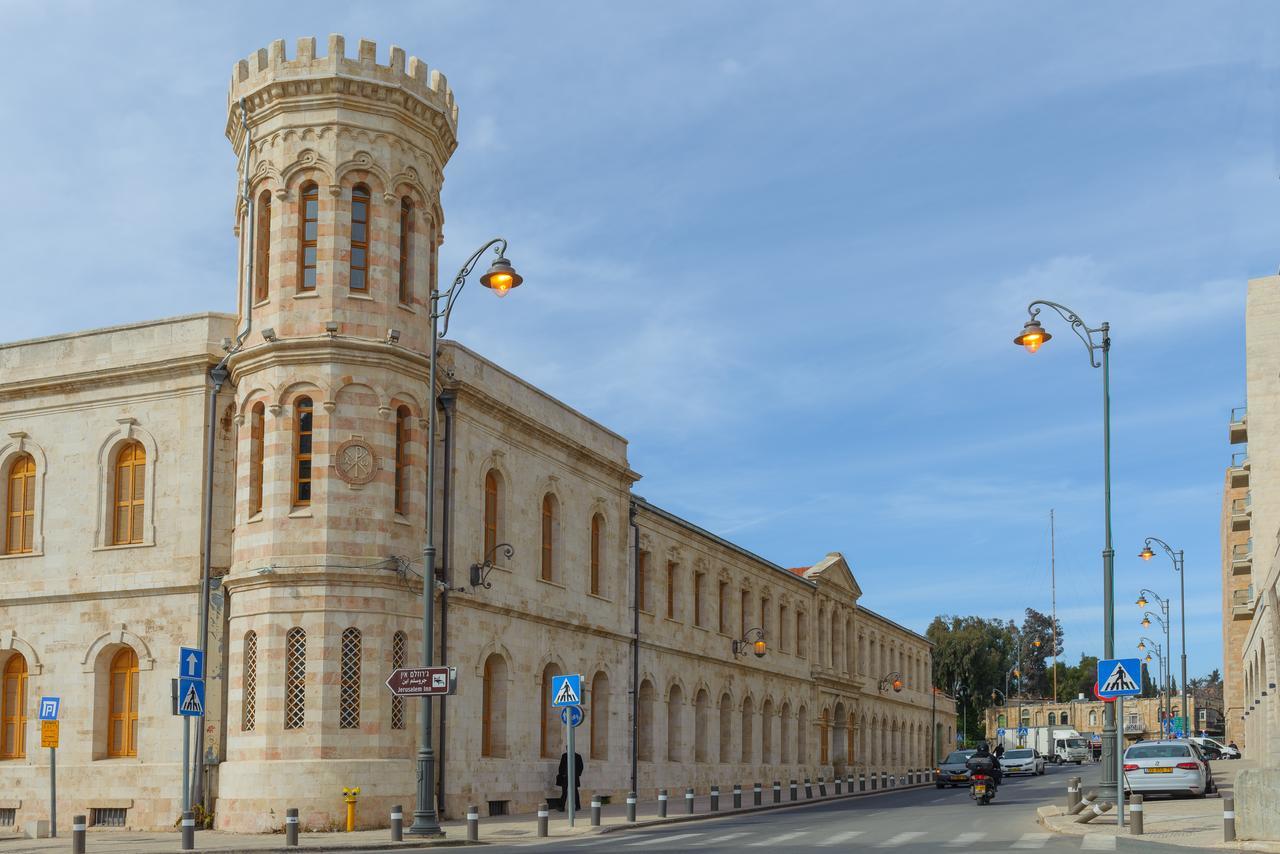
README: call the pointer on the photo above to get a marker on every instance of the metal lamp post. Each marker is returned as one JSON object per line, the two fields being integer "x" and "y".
{"x": 500, "y": 278}
{"x": 1178, "y": 567}
{"x": 1032, "y": 338}
{"x": 1164, "y": 621}
{"x": 1161, "y": 661}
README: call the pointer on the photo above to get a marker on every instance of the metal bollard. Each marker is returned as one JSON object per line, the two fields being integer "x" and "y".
{"x": 777, "y": 792}
{"x": 755, "y": 795}
{"x": 595, "y": 810}
{"x": 1083, "y": 803}
{"x": 795, "y": 790}
{"x": 1228, "y": 819}
{"x": 397, "y": 823}
{"x": 350, "y": 796}
{"x": 715, "y": 799}
{"x": 662, "y": 803}
{"x": 737, "y": 796}
{"x": 822, "y": 787}
{"x": 1073, "y": 792}
{"x": 188, "y": 831}
{"x": 291, "y": 826}
{"x": 839, "y": 788}
{"x": 473, "y": 823}
{"x": 631, "y": 806}
{"x": 543, "y": 814}
{"x": 808, "y": 788}
{"x": 688, "y": 801}
{"x": 1093, "y": 812}
{"x": 78, "y": 826}
{"x": 1135, "y": 815}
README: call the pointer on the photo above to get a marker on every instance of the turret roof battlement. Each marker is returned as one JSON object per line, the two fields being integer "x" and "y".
{"x": 270, "y": 65}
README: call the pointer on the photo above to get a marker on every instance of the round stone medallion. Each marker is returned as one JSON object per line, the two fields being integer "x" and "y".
{"x": 355, "y": 461}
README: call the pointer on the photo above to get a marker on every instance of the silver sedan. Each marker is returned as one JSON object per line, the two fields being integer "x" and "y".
{"x": 1166, "y": 767}
{"x": 1022, "y": 761}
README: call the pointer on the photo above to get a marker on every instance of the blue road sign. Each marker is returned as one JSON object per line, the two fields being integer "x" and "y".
{"x": 190, "y": 663}
{"x": 1119, "y": 677}
{"x": 571, "y": 715}
{"x": 49, "y": 708}
{"x": 566, "y": 690}
{"x": 191, "y": 697}
{"x": 1022, "y": 731}
{"x": 1000, "y": 732}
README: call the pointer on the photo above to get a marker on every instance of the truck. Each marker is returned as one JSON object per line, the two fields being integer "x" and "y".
{"x": 1056, "y": 744}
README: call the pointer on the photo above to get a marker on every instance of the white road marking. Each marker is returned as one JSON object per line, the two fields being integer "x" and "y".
{"x": 1031, "y": 840}
{"x": 724, "y": 838}
{"x": 592, "y": 844}
{"x": 901, "y": 838}
{"x": 964, "y": 840}
{"x": 657, "y": 839}
{"x": 774, "y": 840}
{"x": 840, "y": 837}
{"x": 1098, "y": 842}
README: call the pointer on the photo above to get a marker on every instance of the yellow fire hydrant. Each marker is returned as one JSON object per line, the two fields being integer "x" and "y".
{"x": 350, "y": 795}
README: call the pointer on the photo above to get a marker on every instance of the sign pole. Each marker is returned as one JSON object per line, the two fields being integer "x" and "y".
{"x": 571, "y": 765}
{"x": 1120, "y": 761}
{"x": 186, "y": 761}
{"x": 53, "y": 792}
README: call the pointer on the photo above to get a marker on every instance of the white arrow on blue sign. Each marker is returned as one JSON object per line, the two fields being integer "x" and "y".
{"x": 1119, "y": 677}
{"x": 190, "y": 663}
{"x": 571, "y": 715}
{"x": 566, "y": 690}
{"x": 1000, "y": 732}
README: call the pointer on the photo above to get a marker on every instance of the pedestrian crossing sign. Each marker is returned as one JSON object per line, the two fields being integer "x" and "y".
{"x": 191, "y": 697}
{"x": 1118, "y": 677}
{"x": 566, "y": 690}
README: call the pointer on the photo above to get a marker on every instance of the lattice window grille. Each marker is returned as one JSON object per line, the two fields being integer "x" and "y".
{"x": 295, "y": 679}
{"x": 249, "y": 710}
{"x": 398, "y": 651}
{"x": 349, "y": 691}
{"x": 107, "y": 816}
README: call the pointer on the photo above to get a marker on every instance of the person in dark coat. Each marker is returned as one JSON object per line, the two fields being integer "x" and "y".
{"x": 562, "y": 780}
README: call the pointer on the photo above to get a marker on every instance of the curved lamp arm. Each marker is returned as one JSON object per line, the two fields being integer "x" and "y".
{"x": 460, "y": 280}
{"x": 480, "y": 571}
{"x": 892, "y": 679}
{"x": 1158, "y": 618}
{"x": 1078, "y": 326}
{"x": 1174, "y": 555}
{"x": 752, "y": 641}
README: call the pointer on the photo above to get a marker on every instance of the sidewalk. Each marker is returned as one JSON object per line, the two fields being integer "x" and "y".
{"x": 1190, "y": 822}
{"x": 517, "y": 828}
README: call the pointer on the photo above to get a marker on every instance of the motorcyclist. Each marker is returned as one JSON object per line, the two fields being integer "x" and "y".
{"x": 986, "y": 762}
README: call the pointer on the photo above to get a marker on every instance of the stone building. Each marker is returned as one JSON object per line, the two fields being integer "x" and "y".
{"x": 315, "y": 531}
{"x": 1141, "y": 715}
{"x": 1236, "y": 537}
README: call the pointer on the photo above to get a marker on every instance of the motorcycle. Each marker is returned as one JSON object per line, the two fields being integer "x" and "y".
{"x": 982, "y": 788}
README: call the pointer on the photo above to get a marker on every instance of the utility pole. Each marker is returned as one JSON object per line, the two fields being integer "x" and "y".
{"x": 1053, "y": 594}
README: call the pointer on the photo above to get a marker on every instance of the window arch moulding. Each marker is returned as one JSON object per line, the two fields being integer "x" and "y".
{"x": 127, "y": 431}
{"x": 10, "y": 642}
{"x": 117, "y": 636}
{"x": 17, "y": 444}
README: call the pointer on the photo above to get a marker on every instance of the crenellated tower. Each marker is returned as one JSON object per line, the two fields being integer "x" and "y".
{"x": 338, "y": 235}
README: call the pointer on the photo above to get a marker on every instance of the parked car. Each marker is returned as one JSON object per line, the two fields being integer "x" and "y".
{"x": 952, "y": 771}
{"x": 1022, "y": 760}
{"x": 1175, "y": 767}
{"x": 1214, "y": 749}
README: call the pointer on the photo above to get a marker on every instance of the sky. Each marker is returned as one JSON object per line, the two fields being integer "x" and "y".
{"x": 783, "y": 248}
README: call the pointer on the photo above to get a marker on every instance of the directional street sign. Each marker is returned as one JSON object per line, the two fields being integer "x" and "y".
{"x": 48, "y": 733}
{"x": 423, "y": 681}
{"x": 571, "y": 715}
{"x": 1000, "y": 732}
{"x": 190, "y": 663}
{"x": 1118, "y": 677}
{"x": 566, "y": 690}
{"x": 191, "y": 697}
{"x": 49, "y": 708}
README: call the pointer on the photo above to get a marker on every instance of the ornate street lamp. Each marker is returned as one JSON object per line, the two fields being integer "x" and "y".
{"x": 752, "y": 641}
{"x": 1178, "y": 567}
{"x": 892, "y": 680}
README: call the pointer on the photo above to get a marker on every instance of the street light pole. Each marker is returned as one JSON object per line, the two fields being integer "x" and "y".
{"x": 1179, "y": 566}
{"x": 1032, "y": 337}
{"x": 500, "y": 278}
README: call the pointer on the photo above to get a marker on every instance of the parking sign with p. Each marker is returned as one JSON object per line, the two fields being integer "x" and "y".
{"x": 49, "y": 708}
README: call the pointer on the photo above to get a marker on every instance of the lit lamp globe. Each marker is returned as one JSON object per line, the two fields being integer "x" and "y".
{"x": 1146, "y": 624}
{"x": 1146, "y": 553}
{"x": 897, "y": 685}
{"x": 1142, "y": 601}
{"x": 1033, "y": 335}
{"x": 759, "y": 648}
{"x": 1142, "y": 645}
{"x": 501, "y": 277}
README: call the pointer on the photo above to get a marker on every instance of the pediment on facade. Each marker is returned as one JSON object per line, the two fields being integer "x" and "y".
{"x": 835, "y": 571}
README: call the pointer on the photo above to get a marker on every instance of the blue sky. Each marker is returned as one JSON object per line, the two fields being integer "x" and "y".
{"x": 782, "y": 247}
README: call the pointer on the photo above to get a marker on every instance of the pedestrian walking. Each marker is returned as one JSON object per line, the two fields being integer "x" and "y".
{"x": 562, "y": 780}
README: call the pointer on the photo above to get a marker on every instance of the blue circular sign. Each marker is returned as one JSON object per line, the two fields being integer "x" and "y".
{"x": 571, "y": 715}
{"x": 1000, "y": 732}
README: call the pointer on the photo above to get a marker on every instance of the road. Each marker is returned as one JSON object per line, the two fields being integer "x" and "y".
{"x": 909, "y": 821}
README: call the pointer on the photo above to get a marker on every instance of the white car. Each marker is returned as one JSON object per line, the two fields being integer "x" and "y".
{"x": 1167, "y": 767}
{"x": 1022, "y": 760}
{"x": 1214, "y": 749}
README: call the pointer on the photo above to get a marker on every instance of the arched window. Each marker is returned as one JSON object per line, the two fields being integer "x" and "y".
{"x": 1002, "y": 720}
{"x": 493, "y": 713}
{"x": 13, "y": 708}
{"x": 249, "y": 696}
{"x": 550, "y": 523}
{"x": 642, "y": 581}
{"x": 644, "y": 722}
{"x": 492, "y": 494}
{"x": 122, "y": 711}
{"x": 399, "y": 648}
{"x": 766, "y": 733}
{"x": 1053, "y": 719}
{"x": 597, "y": 533}
{"x": 802, "y": 635}
{"x": 726, "y": 728}
{"x": 1062, "y": 719}
{"x": 549, "y": 721}
{"x": 1093, "y": 719}
{"x": 308, "y": 224}
{"x": 406, "y": 250}
{"x": 295, "y": 678}
{"x": 748, "y": 716}
{"x": 700, "y": 724}
{"x": 360, "y": 238}
{"x": 303, "y": 423}
{"x": 802, "y": 736}
{"x": 402, "y": 461}
{"x": 349, "y": 684}
{"x": 130, "y": 494}
{"x": 262, "y": 249}
{"x": 675, "y": 728}
{"x": 257, "y": 456}
{"x": 824, "y": 740}
{"x": 600, "y": 716}
{"x": 20, "y": 506}
{"x": 788, "y": 739}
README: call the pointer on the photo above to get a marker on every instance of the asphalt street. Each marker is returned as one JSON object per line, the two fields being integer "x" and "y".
{"x": 926, "y": 819}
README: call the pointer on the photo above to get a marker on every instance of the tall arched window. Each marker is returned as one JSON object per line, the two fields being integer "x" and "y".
{"x": 249, "y": 695}
{"x": 122, "y": 711}
{"x": 644, "y": 723}
{"x": 257, "y": 456}
{"x": 262, "y": 249}
{"x": 788, "y": 748}
{"x": 492, "y": 494}
{"x": 600, "y": 716}
{"x": 399, "y": 648}
{"x": 303, "y": 424}
{"x": 824, "y": 739}
{"x": 802, "y": 736}
{"x": 493, "y": 713}
{"x": 1053, "y": 719}
{"x": 406, "y": 250}
{"x": 295, "y": 678}
{"x": 549, "y": 720}
{"x": 726, "y": 728}
{"x": 748, "y": 716}
{"x": 13, "y": 708}
{"x": 700, "y": 725}
{"x": 308, "y": 224}
{"x": 1062, "y": 719}
{"x": 597, "y": 532}
{"x": 349, "y": 681}
{"x": 130, "y": 494}
{"x": 549, "y": 525}
{"x": 802, "y": 635}
{"x": 675, "y": 725}
{"x": 360, "y": 238}
{"x": 402, "y": 461}
{"x": 20, "y": 506}
{"x": 766, "y": 733}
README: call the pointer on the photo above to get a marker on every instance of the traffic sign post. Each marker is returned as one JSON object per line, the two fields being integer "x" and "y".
{"x": 566, "y": 690}
{"x": 188, "y": 702}
{"x": 1116, "y": 680}
{"x": 566, "y": 693}
{"x": 571, "y": 715}
{"x": 49, "y": 707}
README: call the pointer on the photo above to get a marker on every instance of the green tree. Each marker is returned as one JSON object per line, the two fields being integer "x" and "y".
{"x": 975, "y": 653}
{"x": 1036, "y": 638}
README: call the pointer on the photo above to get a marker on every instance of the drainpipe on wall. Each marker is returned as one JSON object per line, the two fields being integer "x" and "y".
{"x": 448, "y": 399}
{"x": 635, "y": 641}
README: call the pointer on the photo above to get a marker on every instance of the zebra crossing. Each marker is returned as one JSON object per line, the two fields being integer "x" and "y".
{"x": 825, "y": 839}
